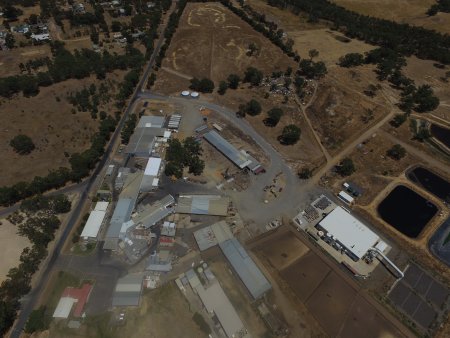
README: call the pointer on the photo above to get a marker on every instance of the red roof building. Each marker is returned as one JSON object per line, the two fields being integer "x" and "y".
{"x": 81, "y": 295}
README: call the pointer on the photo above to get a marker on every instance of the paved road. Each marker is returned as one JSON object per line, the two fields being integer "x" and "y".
{"x": 30, "y": 300}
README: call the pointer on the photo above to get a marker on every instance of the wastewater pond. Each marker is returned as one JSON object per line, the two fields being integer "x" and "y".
{"x": 430, "y": 182}
{"x": 406, "y": 211}
{"x": 441, "y": 133}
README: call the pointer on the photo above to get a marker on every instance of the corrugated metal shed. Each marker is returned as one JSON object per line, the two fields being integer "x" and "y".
{"x": 128, "y": 290}
{"x": 64, "y": 307}
{"x": 203, "y": 205}
{"x": 227, "y": 149}
{"x": 122, "y": 214}
{"x": 216, "y": 302}
{"x": 252, "y": 277}
{"x": 151, "y": 121}
{"x": 101, "y": 206}
{"x": 142, "y": 141}
{"x": 155, "y": 212}
{"x": 153, "y": 165}
{"x": 93, "y": 224}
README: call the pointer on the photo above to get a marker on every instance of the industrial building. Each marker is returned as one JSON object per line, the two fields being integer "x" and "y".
{"x": 217, "y": 304}
{"x": 150, "y": 180}
{"x": 128, "y": 290}
{"x": 203, "y": 205}
{"x": 153, "y": 213}
{"x": 244, "y": 266}
{"x": 240, "y": 158}
{"x": 122, "y": 214}
{"x": 145, "y": 136}
{"x": 353, "y": 235}
{"x": 94, "y": 222}
{"x": 174, "y": 122}
{"x": 69, "y": 297}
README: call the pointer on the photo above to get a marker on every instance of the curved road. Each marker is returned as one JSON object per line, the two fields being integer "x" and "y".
{"x": 251, "y": 201}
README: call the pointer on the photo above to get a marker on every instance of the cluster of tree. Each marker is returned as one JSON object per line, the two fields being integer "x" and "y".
{"x": 251, "y": 108}
{"x": 34, "y": 64}
{"x": 172, "y": 25}
{"x": 261, "y": 24}
{"x": 204, "y": 85}
{"x": 66, "y": 65}
{"x": 22, "y": 144}
{"x": 439, "y": 6}
{"x": 39, "y": 320}
{"x": 233, "y": 81}
{"x": 89, "y": 99}
{"x": 184, "y": 154}
{"x": 398, "y": 120}
{"x": 420, "y": 130}
{"x": 11, "y": 13}
{"x": 273, "y": 117}
{"x": 397, "y": 152}
{"x": 58, "y": 204}
{"x": 24, "y": 3}
{"x": 406, "y": 39}
{"x": 351, "y": 60}
{"x": 128, "y": 129}
{"x": 40, "y": 230}
{"x": 311, "y": 69}
{"x": 421, "y": 99}
{"x": 290, "y": 135}
{"x": 129, "y": 83}
{"x": 346, "y": 167}
{"x": 80, "y": 166}
{"x": 253, "y": 76}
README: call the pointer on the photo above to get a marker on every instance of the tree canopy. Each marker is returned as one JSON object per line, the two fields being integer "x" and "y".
{"x": 22, "y": 144}
{"x": 273, "y": 117}
{"x": 290, "y": 135}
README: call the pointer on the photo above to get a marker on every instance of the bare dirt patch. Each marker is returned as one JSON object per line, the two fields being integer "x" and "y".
{"x": 212, "y": 42}
{"x": 412, "y": 12}
{"x": 12, "y": 58}
{"x": 48, "y": 119}
{"x": 12, "y": 246}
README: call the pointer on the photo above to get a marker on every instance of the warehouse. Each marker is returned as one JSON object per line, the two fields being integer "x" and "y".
{"x": 150, "y": 180}
{"x": 227, "y": 149}
{"x": 252, "y": 277}
{"x": 94, "y": 222}
{"x": 143, "y": 139}
{"x": 153, "y": 213}
{"x": 151, "y": 122}
{"x": 349, "y": 232}
{"x": 244, "y": 266}
{"x": 122, "y": 213}
{"x": 128, "y": 290}
{"x": 203, "y": 205}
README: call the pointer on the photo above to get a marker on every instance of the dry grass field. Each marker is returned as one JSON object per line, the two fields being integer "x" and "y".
{"x": 12, "y": 245}
{"x": 329, "y": 44}
{"x": 341, "y": 111}
{"x": 48, "y": 119}
{"x": 412, "y": 12}
{"x": 11, "y": 59}
{"x": 212, "y": 42}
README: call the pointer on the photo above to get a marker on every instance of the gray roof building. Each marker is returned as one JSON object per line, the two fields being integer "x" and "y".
{"x": 142, "y": 141}
{"x": 151, "y": 122}
{"x": 128, "y": 290}
{"x": 122, "y": 213}
{"x": 227, "y": 149}
{"x": 252, "y": 277}
{"x": 155, "y": 212}
{"x": 203, "y": 205}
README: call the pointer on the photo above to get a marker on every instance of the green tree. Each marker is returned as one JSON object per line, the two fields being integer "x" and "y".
{"x": 37, "y": 321}
{"x": 346, "y": 167}
{"x": 253, "y": 108}
{"x": 253, "y": 76}
{"x": 305, "y": 173}
{"x": 397, "y": 152}
{"x": 290, "y": 135}
{"x": 351, "y": 60}
{"x": 196, "y": 166}
{"x": 273, "y": 117}
{"x": 425, "y": 99}
{"x": 398, "y": 120}
{"x": 22, "y": 144}
{"x": 233, "y": 81}
{"x": 223, "y": 86}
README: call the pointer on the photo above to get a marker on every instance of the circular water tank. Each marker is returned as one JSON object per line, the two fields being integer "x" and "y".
{"x": 185, "y": 93}
{"x": 200, "y": 269}
{"x": 205, "y": 265}
{"x": 195, "y": 94}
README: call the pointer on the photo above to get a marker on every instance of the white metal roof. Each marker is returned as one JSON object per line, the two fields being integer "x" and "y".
{"x": 101, "y": 206}
{"x": 354, "y": 235}
{"x": 167, "y": 134}
{"x": 346, "y": 197}
{"x": 381, "y": 246}
{"x": 153, "y": 165}
{"x": 64, "y": 307}
{"x": 93, "y": 224}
